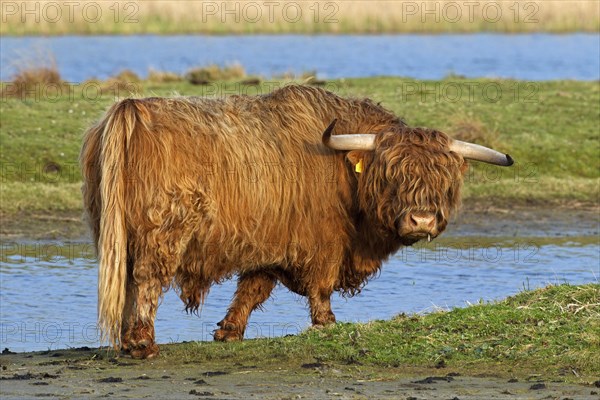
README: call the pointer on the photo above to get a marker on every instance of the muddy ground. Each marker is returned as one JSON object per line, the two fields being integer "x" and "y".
{"x": 569, "y": 219}
{"x": 92, "y": 373}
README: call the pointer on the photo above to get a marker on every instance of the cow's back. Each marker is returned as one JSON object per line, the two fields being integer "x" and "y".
{"x": 253, "y": 169}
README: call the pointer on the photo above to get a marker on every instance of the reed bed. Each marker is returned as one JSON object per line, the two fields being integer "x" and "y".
{"x": 33, "y": 70}
{"x": 308, "y": 17}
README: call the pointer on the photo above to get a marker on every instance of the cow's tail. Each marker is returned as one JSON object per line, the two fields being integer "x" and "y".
{"x": 119, "y": 125}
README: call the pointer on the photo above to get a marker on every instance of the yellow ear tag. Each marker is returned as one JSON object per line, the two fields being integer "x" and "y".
{"x": 359, "y": 166}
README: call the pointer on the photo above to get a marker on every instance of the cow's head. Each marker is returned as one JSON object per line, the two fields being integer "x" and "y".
{"x": 409, "y": 179}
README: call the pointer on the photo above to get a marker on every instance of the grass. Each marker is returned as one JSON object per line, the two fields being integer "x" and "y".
{"x": 552, "y": 332}
{"x": 32, "y": 72}
{"x": 157, "y": 76}
{"x": 248, "y": 17}
{"x": 214, "y": 73}
{"x": 36, "y": 196}
{"x": 550, "y": 128}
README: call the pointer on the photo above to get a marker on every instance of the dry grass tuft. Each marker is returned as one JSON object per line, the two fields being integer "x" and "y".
{"x": 212, "y": 73}
{"x": 304, "y": 76}
{"x": 124, "y": 83}
{"x": 126, "y": 75}
{"x": 156, "y": 76}
{"x": 471, "y": 129}
{"x": 33, "y": 75}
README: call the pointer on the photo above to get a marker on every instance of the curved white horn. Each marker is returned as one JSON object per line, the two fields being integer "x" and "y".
{"x": 476, "y": 152}
{"x": 347, "y": 142}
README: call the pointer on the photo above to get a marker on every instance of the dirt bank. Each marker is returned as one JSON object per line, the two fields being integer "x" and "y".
{"x": 475, "y": 219}
{"x": 92, "y": 373}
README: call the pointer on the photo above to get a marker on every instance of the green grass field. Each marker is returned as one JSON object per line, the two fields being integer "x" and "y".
{"x": 550, "y": 128}
{"x": 550, "y": 331}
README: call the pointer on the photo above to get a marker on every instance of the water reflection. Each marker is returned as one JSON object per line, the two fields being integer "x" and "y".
{"x": 48, "y": 290}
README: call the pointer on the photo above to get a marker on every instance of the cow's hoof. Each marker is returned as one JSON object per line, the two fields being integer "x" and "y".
{"x": 145, "y": 352}
{"x": 128, "y": 346}
{"x": 225, "y": 335}
{"x": 127, "y": 342}
{"x": 229, "y": 332}
{"x": 327, "y": 320}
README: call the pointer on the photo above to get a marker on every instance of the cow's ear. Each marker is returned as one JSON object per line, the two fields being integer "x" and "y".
{"x": 464, "y": 167}
{"x": 356, "y": 158}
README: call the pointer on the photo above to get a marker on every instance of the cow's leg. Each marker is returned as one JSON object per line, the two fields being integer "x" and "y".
{"x": 139, "y": 337}
{"x": 318, "y": 291}
{"x": 320, "y": 280}
{"x": 253, "y": 289}
{"x": 128, "y": 314}
{"x": 157, "y": 259}
{"x": 319, "y": 300}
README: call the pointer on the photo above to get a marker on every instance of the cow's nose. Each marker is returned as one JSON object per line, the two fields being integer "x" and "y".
{"x": 422, "y": 221}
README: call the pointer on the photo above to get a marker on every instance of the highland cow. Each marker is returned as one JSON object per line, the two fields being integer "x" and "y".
{"x": 299, "y": 186}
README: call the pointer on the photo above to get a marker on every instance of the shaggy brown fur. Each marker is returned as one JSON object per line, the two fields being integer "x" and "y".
{"x": 186, "y": 192}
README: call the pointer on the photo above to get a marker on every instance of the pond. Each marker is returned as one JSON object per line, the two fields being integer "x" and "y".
{"x": 48, "y": 289}
{"x": 522, "y": 56}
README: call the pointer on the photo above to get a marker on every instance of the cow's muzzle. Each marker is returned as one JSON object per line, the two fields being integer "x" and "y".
{"x": 418, "y": 225}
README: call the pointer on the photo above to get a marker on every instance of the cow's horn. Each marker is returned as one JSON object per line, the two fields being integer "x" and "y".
{"x": 476, "y": 152}
{"x": 347, "y": 142}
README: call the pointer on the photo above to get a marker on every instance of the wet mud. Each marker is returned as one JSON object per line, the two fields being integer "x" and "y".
{"x": 93, "y": 373}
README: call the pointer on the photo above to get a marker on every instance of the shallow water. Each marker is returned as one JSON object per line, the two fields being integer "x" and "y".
{"x": 521, "y": 56}
{"x": 48, "y": 289}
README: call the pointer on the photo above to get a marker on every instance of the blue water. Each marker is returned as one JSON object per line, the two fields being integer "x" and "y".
{"x": 48, "y": 290}
{"x": 523, "y": 56}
